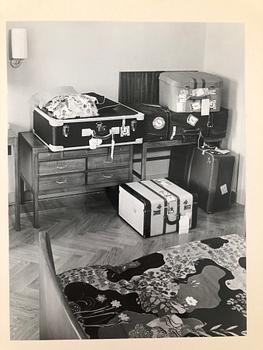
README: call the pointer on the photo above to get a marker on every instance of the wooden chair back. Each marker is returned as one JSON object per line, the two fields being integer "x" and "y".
{"x": 56, "y": 318}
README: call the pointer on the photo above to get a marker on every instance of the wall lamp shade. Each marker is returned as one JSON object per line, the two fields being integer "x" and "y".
{"x": 18, "y": 38}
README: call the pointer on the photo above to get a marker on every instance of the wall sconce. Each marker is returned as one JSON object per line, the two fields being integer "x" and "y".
{"x": 18, "y": 46}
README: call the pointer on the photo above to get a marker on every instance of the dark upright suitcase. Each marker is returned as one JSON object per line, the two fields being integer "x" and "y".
{"x": 210, "y": 176}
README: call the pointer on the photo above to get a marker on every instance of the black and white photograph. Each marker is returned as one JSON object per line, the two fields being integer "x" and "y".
{"x": 126, "y": 179}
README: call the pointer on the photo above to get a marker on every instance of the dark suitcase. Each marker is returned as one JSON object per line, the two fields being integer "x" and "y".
{"x": 187, "y": 126}
{"x": 156, "y": 121}
{"x": 179, "y": 164}
{"x": 116, "y": 124}
{"x": 210, "y": 176}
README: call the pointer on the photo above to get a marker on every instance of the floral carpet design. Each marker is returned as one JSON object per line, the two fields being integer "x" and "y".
{"x": 192, "y": 290}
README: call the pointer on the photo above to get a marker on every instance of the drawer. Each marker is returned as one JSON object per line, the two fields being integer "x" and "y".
{"x": 61, "y": 182}
{"x": 62, "y": 166}
{"x": 119, "y": 175}
{"x": 79, "y": 153}
{"x": 62, "y": 155}
{"x": 104, "y": 161}
{"x": 107, "y": 150}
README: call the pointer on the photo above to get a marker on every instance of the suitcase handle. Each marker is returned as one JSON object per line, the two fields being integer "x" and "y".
{"x": 193, "y": 98}
{"x": 172, "y": 222}
{"x": 104, "y": 137}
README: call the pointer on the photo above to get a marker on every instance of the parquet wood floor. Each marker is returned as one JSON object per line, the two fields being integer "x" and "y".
{"x": 85, "y": 231}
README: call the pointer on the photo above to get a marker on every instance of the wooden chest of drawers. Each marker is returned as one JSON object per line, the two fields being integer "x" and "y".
{"x": 49, "y": 174}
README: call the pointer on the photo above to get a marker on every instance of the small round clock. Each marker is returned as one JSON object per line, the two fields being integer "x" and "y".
{"x": 158, "y": 123}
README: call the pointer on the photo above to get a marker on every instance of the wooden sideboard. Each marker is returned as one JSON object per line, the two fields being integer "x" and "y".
{"x": 53, "y": 174}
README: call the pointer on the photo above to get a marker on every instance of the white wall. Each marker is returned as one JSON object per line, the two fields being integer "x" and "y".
{"x": 89, "y": 56}
{"x": 224, "y": 55}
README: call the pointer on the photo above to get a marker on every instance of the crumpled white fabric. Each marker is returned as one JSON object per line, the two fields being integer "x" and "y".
{"x": 71, "y": 106}
{"x": 75, "y": 104}
{"x": 41, "y": 98}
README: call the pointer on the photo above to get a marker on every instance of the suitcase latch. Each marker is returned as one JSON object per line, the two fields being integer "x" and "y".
{"x": 125, "y": 129}
{"x": 65, "y": 130}
{"x": 133, "y": 125}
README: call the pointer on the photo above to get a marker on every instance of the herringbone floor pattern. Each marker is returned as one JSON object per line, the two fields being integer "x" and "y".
{"x": 85, "y": 231}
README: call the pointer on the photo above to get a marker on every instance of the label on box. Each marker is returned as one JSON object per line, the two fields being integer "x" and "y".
{"x": 205, "y": 106}
{"x": 115, "y": 130}
{"x": 196, "y": 106}
{"x": 182, "y": 99}
{"x": 86, "y": 132}
{"x": 212, "y": 91}
{"x": 183, "y": 94}
{"x": 192, "y": 120}
{"x": 199, "y": 92}
{"x": 94, "y": 143}
{"x": 223, "y": 189}
{"x": 180, "y": 107}
{"x": 184, "y": 224}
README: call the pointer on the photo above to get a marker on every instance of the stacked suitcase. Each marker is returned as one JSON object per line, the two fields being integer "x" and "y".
{"x": 194, "y": 101}
{"x": 177, "y": 105}
{"x": 188, "y": 110}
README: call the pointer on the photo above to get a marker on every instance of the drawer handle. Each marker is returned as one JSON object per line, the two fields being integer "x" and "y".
{"x": 107, "y": 176}
{"x": 61, "y": 165}
{"x": 60, "y": 182}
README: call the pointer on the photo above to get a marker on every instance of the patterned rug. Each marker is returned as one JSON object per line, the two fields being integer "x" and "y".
{"x": 192, "y": 290}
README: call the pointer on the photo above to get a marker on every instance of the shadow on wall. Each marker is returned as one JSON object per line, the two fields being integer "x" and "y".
{"x": 230, "y": 101}
{"x": 233, "y": 140}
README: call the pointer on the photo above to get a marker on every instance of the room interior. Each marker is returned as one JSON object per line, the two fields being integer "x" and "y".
{"x": 86, "y": 230}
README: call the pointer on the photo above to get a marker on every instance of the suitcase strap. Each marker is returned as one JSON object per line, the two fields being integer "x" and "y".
{"x": 165, "y": 204}
{"x": 173, "y": 206}
{"x": 147, "y": 207}
{"x": 172, "y": 214}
